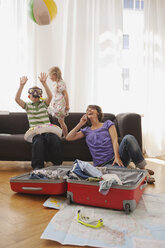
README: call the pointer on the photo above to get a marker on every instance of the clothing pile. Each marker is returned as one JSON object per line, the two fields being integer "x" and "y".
{"x": 49, "y": 173}
{"x": 81, "y": 170}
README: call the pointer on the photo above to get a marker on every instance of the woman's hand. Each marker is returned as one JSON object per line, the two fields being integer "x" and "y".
{"x": 75, "y": 134}
{"x": 83, "y": 120}
{"x": 43, "y": 77}
{"x": 23, "y": 80}
{"x": 118, "y": 161}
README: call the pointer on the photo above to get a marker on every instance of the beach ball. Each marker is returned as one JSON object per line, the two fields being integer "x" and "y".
{"x": 42, "y": 11}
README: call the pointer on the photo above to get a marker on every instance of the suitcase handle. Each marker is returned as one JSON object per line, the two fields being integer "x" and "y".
{"x": 31, "y": 189}
{"x": 142, "y": 186}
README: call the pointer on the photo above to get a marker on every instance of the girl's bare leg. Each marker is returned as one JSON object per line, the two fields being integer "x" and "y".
{"x": 63, "y": 126}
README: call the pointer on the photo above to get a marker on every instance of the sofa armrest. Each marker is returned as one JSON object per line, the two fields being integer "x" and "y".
{"x": 130, "y": 123}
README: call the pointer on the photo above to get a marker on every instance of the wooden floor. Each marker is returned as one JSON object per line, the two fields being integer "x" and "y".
{"x": 23, "y": 217}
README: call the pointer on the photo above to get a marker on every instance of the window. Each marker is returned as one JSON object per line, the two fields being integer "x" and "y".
{"x": 128, "y": 4}
{"x": 125, "y": 41}
{"x": 134, "y": 4}
{"x": 132, "y": 54}
{"x": 125, "y": 76}
{"x": 142, "y": 4}
{"x": 137, "y": 4}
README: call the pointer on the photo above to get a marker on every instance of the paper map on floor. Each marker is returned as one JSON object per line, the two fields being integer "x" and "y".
{"x": 143, "y": 228}
{"x": 54, "y": 202}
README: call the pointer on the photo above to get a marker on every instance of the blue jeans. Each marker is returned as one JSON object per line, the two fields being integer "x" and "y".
{"x": 129, "y": 150}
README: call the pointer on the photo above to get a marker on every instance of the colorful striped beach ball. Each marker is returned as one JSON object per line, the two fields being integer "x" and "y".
{"x": 42, "y": 11}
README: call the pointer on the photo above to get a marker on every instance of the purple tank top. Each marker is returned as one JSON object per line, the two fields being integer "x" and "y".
{"x": 99, "y": 143}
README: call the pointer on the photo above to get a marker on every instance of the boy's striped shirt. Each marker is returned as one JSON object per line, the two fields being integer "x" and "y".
{"x": 37, "y": 113}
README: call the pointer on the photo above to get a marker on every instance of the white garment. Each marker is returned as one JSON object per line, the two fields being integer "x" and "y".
{"x": 106, "y": 183}
{"x": 58, "y": 104}
{"x": 108, "y": 177}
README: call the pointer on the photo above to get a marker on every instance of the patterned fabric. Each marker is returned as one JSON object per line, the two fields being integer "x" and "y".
{"x": 58, "y": 104}
{"x": 49, "y": 173}
{"x": 37, "y": 113}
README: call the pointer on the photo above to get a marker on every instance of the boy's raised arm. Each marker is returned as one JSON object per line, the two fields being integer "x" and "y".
{"x": 18, "y": 99}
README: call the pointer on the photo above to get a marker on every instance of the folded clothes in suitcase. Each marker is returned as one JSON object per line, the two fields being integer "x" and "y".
{"x": 49, "y": 181}
{"x": 121, "y": 197}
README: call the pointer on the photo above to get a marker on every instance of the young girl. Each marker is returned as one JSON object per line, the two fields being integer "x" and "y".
{"x": 59, "y": 106}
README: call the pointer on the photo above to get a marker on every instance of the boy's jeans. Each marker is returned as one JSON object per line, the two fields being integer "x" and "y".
{"x": 129, "y": 150}
{"x": 46, "y": 146}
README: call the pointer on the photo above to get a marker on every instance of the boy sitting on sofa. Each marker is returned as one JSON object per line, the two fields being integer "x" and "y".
{"x": 45, "y": 143}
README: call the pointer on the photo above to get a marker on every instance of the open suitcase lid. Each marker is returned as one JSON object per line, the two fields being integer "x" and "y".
{"x": 130, "y": 178}
{"x": 26, "y": 178}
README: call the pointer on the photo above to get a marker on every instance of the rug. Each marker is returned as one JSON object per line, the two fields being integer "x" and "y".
{"x": 142, "y": 228}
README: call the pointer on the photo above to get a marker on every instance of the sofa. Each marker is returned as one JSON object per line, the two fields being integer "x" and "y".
{"x": 13, "y": 126}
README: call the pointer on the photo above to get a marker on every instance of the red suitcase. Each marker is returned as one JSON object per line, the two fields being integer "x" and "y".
{"x": 23, "y": 184}
{"x": 121, "y": 197}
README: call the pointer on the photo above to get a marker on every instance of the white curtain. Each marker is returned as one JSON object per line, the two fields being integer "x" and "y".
{"x": 15, "y": 51}
{"x": 84, "y": 40}
{"x": 154, "y": 56}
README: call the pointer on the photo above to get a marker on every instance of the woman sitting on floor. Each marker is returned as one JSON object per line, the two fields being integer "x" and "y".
{"x": 102, "y": 141}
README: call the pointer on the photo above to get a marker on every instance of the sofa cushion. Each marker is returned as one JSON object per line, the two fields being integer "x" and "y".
{"x": 76, "y": 149}
{"x": 14, "y": 147}
{"x": 14, "y": 123}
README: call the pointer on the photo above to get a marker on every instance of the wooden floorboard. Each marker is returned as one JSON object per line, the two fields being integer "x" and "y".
{"x": 23, "y": 217}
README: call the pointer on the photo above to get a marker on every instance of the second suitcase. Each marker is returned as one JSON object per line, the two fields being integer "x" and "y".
{"x": 23, "y": 183}
{"x": 122, "y": 197}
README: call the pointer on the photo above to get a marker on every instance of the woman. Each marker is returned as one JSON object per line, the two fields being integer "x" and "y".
{"x": 102, "y": 141}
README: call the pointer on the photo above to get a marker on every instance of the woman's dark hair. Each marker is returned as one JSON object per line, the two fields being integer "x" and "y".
{"x": 99, "y": 111}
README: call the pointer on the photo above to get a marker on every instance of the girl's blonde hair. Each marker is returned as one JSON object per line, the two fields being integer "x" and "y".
{"x": 55, "y": 70}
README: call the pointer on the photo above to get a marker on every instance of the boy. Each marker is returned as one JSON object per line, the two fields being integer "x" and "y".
{"x": 46, "y": 143}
